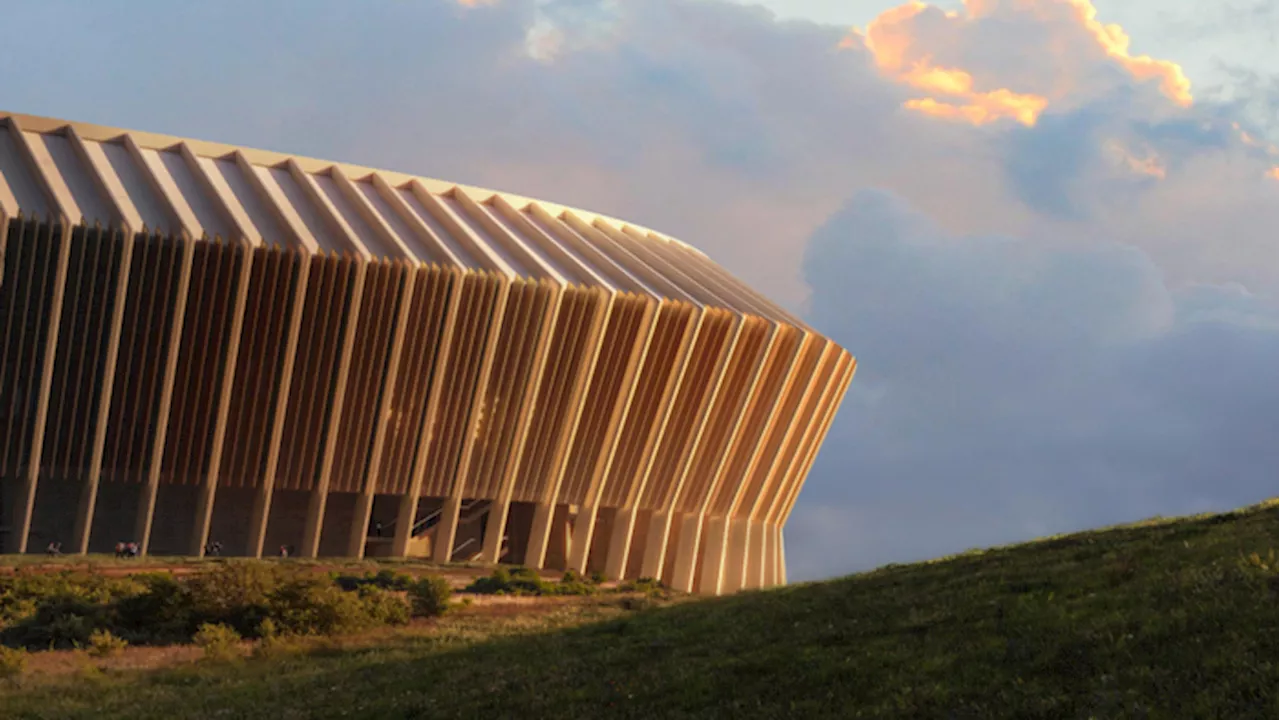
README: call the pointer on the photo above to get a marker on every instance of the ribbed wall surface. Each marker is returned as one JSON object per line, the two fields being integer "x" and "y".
{"x": 208, "y": 342}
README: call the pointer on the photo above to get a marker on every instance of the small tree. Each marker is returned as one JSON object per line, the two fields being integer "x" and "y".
{"x": 219, "y": 642}
{"x": 430, "y": 596}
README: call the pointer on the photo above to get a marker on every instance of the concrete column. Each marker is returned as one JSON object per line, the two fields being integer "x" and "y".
{"x": 561, "y": 540}
{"x": 408, "y": 511}
{"x": 655, "y": 546}
{"x": 780, "y": 557}
{"x": 540, "y": 535}
{"x": 320, "y": 493}
{"x": 580, "y": 538}
{"x": 358, "y": 536}
{"x": 26, "y": 501}
{"x": 266, "y": 487}
{"x": 624, "y": 519}
{"x": 769, "y": 563}
{"x": 446, "y": 529}
{"x": 624, "y": 523}
{"x": 716, "y": 569}
{"x": 500, "y": 508}
{"x": 495, "y": 531}
{"x": 89, "y": 494}
{"x": 736, "y": 555}
{"x": 364, "y": 502}
{"x": 45, "y": 173}
{"x": 204, "y": 507}
{"x": 756, "y": 550}
{"x": 686, "y": 564}
{"x": 147, "y": 501}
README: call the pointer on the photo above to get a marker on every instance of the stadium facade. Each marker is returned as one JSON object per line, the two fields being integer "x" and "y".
{"x": 204, "y": 342}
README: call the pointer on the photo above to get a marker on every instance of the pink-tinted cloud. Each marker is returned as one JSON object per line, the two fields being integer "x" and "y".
{"x": 909, "y": 42}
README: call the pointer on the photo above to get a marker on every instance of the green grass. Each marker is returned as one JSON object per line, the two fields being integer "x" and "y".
{"x": 1173, "y": 619}
{"x": 95, "y": 561}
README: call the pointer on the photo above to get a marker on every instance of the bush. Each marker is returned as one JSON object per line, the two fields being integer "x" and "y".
{"x": 59, "y": 610}
{"x": 163, "y": 613}
{"x": 60, "y": 622}
{"x": 648, "y": 586}
{"x": 516, "y": 581}
{"x": 430, "y": 596}
{"x": 571, "y": 584}
{"x": 13, "y": 661}
{"x": 236, "y": 593}
{"x": 523, "y": 581}
{"x": 268, "y": 628}
{"x": 385, "y": 607}
{"x": 103, "y": 644}
{"x": 385, "y": 579}
{"x": 312, "y": 606}
{"x": 254, "y": 599}
{"x": 219, "y": 642}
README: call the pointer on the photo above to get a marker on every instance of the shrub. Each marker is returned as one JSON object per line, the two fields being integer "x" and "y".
{"x": 385, "y": 607}
{"x": 571, "y": 584}
{"x": 219, "y": 642}
{"x": 268, "y": 628}
{"x": 164, "y": 612}
{"x": 385, "y": 579}
{"x": 516, "y": 581}
{"x": 598, "y": 577}
{"x": 430, "y": 596}
{"x": 65, "y": 610}
{"x": 523, "y": 581}
{"x": 312, "y": 606}
{"x": 60, "y": 622}
{"x": 59, "y": 609}
{"x": 103, "y": 644}
{"x": 13, "y": 661}
{"x": 648, "y": 586}
{"x": 236, "y": 593}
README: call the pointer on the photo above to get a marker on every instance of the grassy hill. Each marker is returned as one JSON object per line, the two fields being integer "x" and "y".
{"x": 1168, "y": 618}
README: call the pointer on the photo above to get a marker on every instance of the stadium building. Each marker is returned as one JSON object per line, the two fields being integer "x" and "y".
{"x": 201, "y": 342}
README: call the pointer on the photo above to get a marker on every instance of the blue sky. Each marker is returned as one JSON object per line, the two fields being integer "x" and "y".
{"x": 1054, "y": 258}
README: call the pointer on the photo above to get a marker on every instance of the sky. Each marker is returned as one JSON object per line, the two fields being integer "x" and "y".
{"x": 1046, "y": 228}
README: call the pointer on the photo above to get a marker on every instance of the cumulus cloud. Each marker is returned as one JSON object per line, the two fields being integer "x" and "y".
{"x": 1029, "y": 53}
{"x": 1039, "y": 293}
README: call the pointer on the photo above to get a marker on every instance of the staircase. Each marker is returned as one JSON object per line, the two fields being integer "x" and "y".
{"x": 468, "y": 540}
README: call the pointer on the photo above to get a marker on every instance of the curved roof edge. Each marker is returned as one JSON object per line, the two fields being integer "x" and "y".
{"x": 135, "y": 179}
{"x": 206, "y": 148}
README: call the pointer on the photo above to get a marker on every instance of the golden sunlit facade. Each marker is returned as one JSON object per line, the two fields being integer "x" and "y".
{"x": 202, "y": 343}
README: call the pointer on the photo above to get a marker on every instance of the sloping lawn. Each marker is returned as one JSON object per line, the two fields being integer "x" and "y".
{"x": 1172, "y": 619}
